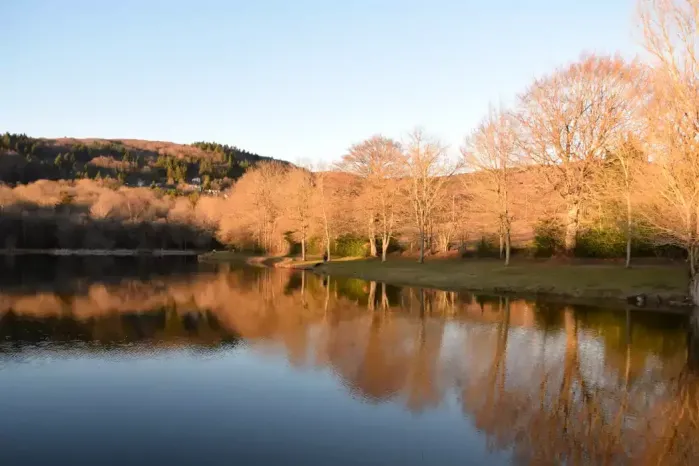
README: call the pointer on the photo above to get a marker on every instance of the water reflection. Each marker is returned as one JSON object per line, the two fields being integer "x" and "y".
{"x": 545, "y": 383}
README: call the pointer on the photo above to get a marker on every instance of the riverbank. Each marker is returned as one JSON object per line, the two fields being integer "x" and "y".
{"x": 663, "y": 285}
{"x": 97, "y": 252}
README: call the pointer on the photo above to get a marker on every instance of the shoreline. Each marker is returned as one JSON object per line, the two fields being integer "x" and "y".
{"x": 660, "y": 287}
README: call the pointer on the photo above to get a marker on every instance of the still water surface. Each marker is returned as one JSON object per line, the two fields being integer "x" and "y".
{"x": 121, "y": 361}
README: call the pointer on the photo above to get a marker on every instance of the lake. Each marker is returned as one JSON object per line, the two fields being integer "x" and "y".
{"x": 115, "y": 361}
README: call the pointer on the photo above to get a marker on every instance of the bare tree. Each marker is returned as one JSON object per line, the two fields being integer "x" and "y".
{"x": 366, "y": 209}
{"x": 671, "y": 200}
{"x": 207, "y": 212}
{"x": 448, "y": 218}
{"x": 427, "y": 169}
{"x": 569, "y": 120}
{"x": 256, "y": 207}
{"x": 377, "y": 162}
{"x": 492, "y": 150}
{"x": 620, "y": 182}
{"x": 324, "y": 202}
{"x": 300, "y": 186}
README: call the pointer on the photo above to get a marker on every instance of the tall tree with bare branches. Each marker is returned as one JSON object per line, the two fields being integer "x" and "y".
{"x": 448, "y": 217}
{"x": 671, "y": 194}
{"x": 331, "y": 197}
{"x": 256, "y": 206}
{"x": 492, "y": 150}
{"x": 300, "y": 186}
{"x": 569, "y": 120}
{"x": 377, "y": 162}
{"x": 619, "y": 182}
{"x": 427, "y": 168}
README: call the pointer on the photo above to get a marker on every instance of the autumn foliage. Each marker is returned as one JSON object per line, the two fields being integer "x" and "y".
{"x": 97, "y": 215}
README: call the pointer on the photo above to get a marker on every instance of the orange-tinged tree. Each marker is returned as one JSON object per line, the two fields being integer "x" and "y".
{"x": 570, "y": 119}
{"x": 378, "y": 163}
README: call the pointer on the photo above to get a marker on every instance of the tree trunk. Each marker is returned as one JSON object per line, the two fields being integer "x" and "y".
{"x": 694, "y": 290}
{"x": 571, "y": 233}
{"x": 692, "y": 262}
{"x": 628, "y": 230}
{"x": 694, "y": 281}
{"x": 422, "y": 246}
{"x": 372, "y": 237}
{"x": 628, "y": 252}
{"x": 303, "y": 247}
{"x": 502, "y": 243}
{"x": 326, "y": 227}
{"x": 372, "y": 246}
{"x": 384, "y": 247}
{"x": 327, "y": 242}
{"x": 507, "y": 247}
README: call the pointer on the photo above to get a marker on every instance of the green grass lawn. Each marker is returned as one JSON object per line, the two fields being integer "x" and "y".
{"x": 585, "y": 281}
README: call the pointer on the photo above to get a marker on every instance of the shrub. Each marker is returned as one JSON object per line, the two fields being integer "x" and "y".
{"x": 488, "y": 246}
{"x": 315, "y": 246}
{"x": 548, "y": 237}
{"x": 350, "y": 246}
{"x": 610, "y": 242}
{"x": 601, "y": 243}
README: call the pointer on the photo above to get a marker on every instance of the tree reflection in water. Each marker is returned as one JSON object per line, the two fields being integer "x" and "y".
{"x": 553, "y": 383}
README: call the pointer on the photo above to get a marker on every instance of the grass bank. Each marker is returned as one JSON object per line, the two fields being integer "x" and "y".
{"x": 662, "y": 285}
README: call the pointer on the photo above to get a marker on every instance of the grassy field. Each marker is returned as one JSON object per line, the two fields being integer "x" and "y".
{"x": 583, "y": 281}
{"x": 590, "y": 281}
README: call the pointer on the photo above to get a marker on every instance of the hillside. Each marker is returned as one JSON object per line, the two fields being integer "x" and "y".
{"x": 135, "y": 162}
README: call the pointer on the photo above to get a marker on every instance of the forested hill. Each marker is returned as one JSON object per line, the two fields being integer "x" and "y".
{"x": 25, "y": 159}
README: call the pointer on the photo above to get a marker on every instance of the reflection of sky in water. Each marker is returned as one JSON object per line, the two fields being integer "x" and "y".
{"x": 239, "y": 405}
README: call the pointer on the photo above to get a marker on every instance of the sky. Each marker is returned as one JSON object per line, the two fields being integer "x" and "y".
{"x": 297, "y": 80}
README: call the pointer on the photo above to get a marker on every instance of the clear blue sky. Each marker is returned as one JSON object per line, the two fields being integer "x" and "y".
{"x": 289, "y": 79}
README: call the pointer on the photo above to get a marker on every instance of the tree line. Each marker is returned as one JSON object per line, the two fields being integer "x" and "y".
{"x": 26, "y": 159}
{"x": 602, "y": 152}
{"x": 89, "y": 214}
